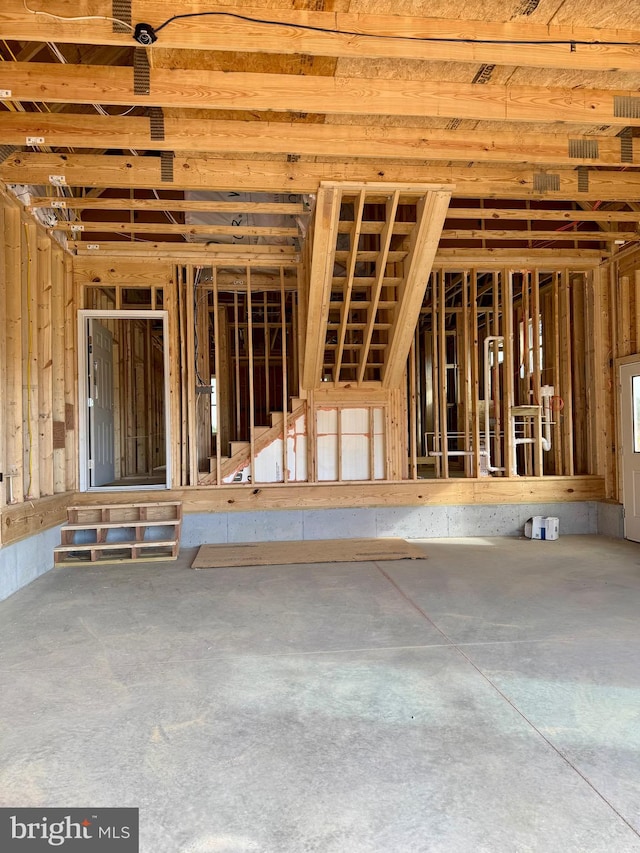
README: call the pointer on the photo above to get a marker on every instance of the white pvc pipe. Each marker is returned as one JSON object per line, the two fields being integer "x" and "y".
{"x": 451, "y": 453}
{"x": 546, "y": 392}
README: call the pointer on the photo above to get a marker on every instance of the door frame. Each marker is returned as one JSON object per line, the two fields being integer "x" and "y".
{"x": 623, "y": 361}
{"x": 84, "y": 315}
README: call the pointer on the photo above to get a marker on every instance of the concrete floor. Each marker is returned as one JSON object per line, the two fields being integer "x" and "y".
{"x": 484, "y": 699}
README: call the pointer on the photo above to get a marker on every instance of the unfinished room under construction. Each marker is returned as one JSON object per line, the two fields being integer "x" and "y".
{"x": 358, "y": 283}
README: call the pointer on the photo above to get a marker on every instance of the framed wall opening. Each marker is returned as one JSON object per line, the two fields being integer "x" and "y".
{"x": 124, "y": 423}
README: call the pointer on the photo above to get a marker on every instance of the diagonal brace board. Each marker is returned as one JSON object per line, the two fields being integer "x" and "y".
{"x": 324, "y": 249}
{"x": 432, "y": 211}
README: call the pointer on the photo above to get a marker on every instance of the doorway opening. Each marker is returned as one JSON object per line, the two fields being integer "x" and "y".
{"x": 124, "y": 393}
{"x": 629, "y": 414}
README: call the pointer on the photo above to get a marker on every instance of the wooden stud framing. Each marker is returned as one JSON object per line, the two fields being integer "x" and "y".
{"x": 413, "y": 432}
{"x": 558, "y": 383}
{"x": 566, "y": 370}
{"x": 442, "y": 360}
{"x": 30, "y": 356}
{"x": 475, "y": 374}
{"x": 499, "y": 418}
{"x": 507, "y": 296}
{"x": 535, "y": 319}
{"x": 217, "y": 371}
{"x": 579, "y": 372}
{"x": 252, "y": 413}
{"x": 57, "y": 358}
{"x": 190, "y": 376}
{"x": 285, "y": 385}
{"x": 45, "y": 363}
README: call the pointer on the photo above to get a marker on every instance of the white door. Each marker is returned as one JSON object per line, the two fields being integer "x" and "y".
{"x": 630, "y": 417}
{"x": 101, "y": 426}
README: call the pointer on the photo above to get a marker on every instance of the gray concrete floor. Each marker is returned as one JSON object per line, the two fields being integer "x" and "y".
{"x": 484, "y": 699}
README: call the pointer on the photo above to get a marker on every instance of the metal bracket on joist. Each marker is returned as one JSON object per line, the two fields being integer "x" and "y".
{"x": 626, "y": 145}
{"x": 543, "y": 182}
{"x": 583, "y": 179}
{"x": 7, "y": 151}
{"x": 121, "y": 13}
{"x": 584, "y": 149}
{"x": 156, "y": 123}
{"x": 141, "y": 71}
{"x": 166, "y": 166}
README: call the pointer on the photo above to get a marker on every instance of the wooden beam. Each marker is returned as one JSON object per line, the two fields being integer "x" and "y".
{"x": 203, "y": 89}
{"x": 132, "y": 258}
{"x": 31, "y": 517}
{"x": 516, "y": 259}
{"x": 520, "y": 213}
{"x": 215, "y": 252}
{"x": 381, "y": 262}
{"x": 424, "y": 243}
{"x": 144, "y": 272}
{"x": 166, "y": 204}
{"x": 257, "y": 137}
{"x": 338, "y": 34}
{"x": 324, "y": 247}
{"x": 83, "y": 170}
{"x": 525, "y": 235}
{"x": 170, "y": 228}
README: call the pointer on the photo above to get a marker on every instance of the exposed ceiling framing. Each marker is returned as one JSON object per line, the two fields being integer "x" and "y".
{"x": 525, "y": 115}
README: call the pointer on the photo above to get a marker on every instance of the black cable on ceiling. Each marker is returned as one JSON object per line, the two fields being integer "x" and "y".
{"x": 146, "y": 34}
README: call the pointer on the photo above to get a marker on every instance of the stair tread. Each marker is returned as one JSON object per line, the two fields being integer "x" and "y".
{"x": 91, "y": 525}
{"x": 104, "y": 546}
{"x": 92, "y": 506}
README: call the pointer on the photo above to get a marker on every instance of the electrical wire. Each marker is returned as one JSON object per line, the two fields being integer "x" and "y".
{"x": 572, "y": 43}
{"x": 76, "y": 17}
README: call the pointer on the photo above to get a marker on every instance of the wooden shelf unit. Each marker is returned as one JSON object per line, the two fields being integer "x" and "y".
{"x": 100, "y": 520}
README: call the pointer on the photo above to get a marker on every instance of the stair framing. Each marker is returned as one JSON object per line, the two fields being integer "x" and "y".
{"x": 374, "y": 245}
{"x": 263, "y": 437}
{"x": 100, "y": 522}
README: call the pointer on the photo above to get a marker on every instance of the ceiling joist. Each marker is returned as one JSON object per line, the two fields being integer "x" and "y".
{"x": 85, "y": 170}
{"x": 335, "y": 34}
{"x": 235, "y": 231}
{"x": 202, "y": 89}
{"x": 170, "y": 204}
{"x": 328, "y": 140}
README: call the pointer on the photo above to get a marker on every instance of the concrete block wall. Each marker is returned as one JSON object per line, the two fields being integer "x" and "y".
{"x": 24, "y": 561}
{"x": 424, "y": 522}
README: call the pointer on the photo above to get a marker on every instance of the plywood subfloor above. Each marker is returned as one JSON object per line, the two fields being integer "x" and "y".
{"x": 317, "y": 551}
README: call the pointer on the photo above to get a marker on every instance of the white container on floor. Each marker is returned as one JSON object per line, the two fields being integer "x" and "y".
{"x": 542, "y": 527}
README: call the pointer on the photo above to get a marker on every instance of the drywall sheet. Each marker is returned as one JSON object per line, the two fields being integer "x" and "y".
{"x": 310, "y": 551}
